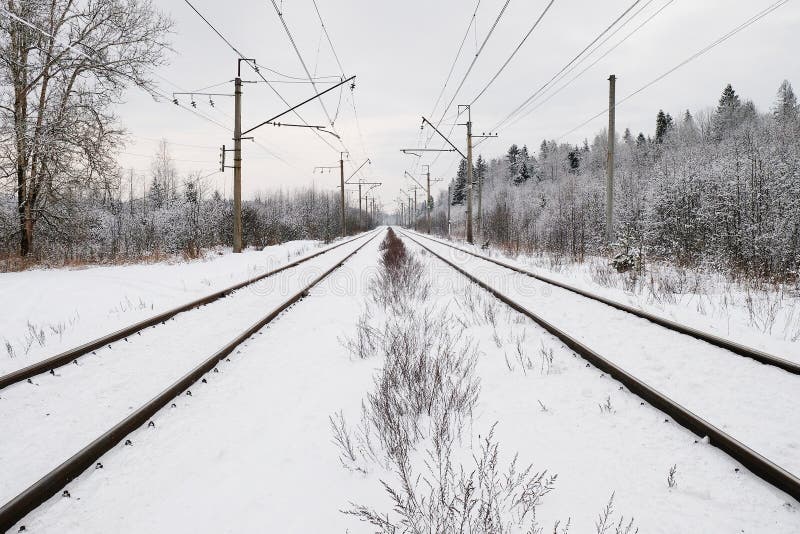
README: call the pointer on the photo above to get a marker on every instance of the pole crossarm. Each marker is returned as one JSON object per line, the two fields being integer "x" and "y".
{"x": 424, "y": 120}
{"x": 412, "y": 150}
{"x": 351, "y": 78}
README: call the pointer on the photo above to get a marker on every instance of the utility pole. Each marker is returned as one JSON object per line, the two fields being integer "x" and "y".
{"x": 449, "y": 201}
{"x": 341, "y": 184}
{"x": 237, "y": 166}
{"x": 237, "y": 148}
{"x": 469, "y": 176}
{"x": 610, "y": 162}
{"x": 480, "y": 206}
{"x": 416, "y": 209}
{"x": 428, "y": 197}
{"x": 360, "y": 223}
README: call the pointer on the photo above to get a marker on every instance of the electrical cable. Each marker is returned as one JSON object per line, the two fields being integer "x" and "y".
{"x": 755, "y": 18}
{"x": 565, "y": 67}
{"x": 507, "y": 61}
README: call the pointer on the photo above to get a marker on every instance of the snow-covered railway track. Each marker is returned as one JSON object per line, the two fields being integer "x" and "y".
{"x": 732, "y": 346}
{"x": 37, "y": 431}
{"x": 71, "y": 355}
{"x": 758, "y": 464}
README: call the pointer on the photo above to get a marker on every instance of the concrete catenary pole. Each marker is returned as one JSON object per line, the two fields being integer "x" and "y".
{"x": 341, "y": 184}
{"x": 360, "y": 218}
{"x": 416, "y": 209}
{"x": 449, "y": 201}
{"x": 428, "y": 199}
{"x": 610, "y": 162}
{"x": 469, "y": 176}
{"x": 237, "y": 166}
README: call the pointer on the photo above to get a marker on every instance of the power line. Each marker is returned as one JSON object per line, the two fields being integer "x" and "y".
{"x": 595, "y": 62}
{"x": 474, "y": 60}
{"x": 565, "y": 67}
{"x": 328, "y": 37}
{"x": 305, "y": 68}
{"x": 455, "y": 60}
{"x": 464, "y": 78}
{"x": 351, "y": 96}
{"x": 257, "y": 71}
{"x": 507, "y": 61}
{"x": 752, "y": 20}
{"x": 524, "y": 114}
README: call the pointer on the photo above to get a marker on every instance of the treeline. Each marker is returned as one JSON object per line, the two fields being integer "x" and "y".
{"x": 719, "y": 189}
{"x": 101, "y": 227}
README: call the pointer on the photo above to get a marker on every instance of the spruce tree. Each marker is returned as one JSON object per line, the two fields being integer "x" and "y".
{"x": 480, "y": 170}
{"x": 460, "y": 184}
{"x": 729, "y": 100}
{"x": 785, "y": 107}
{"x": 664, "y": 124}
{"x": 514, "y": 158}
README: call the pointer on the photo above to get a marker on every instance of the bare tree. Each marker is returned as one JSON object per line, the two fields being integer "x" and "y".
{"x": 64, "y": 64}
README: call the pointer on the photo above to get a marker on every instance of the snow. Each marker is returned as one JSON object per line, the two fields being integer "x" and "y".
{"x": 252, "y": 449}
{"x": 83, "y": 304}
{"x": 61, "y": 413}
{"x": 730, "y": 391}
{"x": 718, "y": 306}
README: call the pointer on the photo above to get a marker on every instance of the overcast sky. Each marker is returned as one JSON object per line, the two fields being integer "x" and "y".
{"x": 401, "y": 52}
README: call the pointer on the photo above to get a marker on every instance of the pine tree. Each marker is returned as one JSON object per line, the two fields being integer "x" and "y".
{"x": 728, "y": 112}
{"x": 459, "y": 187}
{"x": 480, "y": 170}
{"x": 514, "y": 158}
{"x": 729, "y": 101}
{"x": 574, "y": 159}
{"x": 785, "y": 107}
{"x": 627, "y": 137}
{"x": 664, "y": 124}
{"x": 524, "y": 174}
{"x": 543, "y": 151}
{"x": 640, "y": 139}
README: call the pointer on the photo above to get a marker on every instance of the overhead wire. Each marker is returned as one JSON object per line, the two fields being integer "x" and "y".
{"x": 474, "y": 60}
{"x": 351, "y": 96}
{"x": 507, "y": 61}
{"x": 595, "y": 62}
{"x": 752, "y": 20}
{"x": 455, "y": 59}
{"x": 305, "y": 68}
{"x": 464, "y": 78}
{"x": 565, "y": 67}
{"x": 259, "y": 74}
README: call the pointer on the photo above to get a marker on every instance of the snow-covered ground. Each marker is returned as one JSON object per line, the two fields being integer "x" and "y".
{"x": 571, "y": 419}
{"x": 47, "y": 311}
{"x": 65, "y": 411}
{"x": 763, "y": 318}
{"x": 252, "y": 449}
{"x": 730, "y": 391}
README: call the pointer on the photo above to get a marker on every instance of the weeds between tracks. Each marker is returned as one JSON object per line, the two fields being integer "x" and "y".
{"x": 413, "y": 434}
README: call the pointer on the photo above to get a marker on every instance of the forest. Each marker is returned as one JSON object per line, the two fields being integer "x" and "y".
{"x": 718, "y": 189}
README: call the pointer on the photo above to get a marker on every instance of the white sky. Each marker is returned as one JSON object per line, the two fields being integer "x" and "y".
{"x": 401, "y": 52}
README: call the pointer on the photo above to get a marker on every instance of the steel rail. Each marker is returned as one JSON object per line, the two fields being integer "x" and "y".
{"x": 49, "y": 485}
{"x": 732, "y": 346}
{"x": 756, "y": 463}
{"x": 72, "y": 354}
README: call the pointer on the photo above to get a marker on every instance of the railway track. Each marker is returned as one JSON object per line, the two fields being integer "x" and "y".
{"x": 758, "y": 464}
{"x": 736, "y": 348}
{"x": 71, "y": 355}
{"x": 57, "y": 478}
